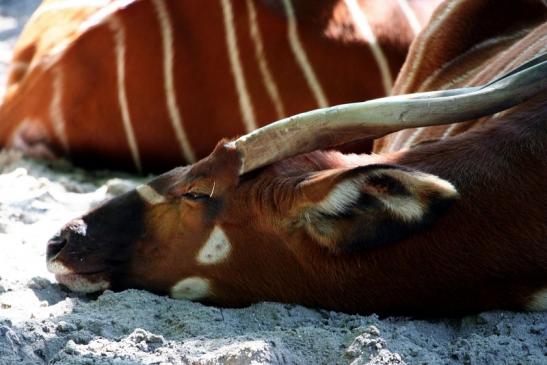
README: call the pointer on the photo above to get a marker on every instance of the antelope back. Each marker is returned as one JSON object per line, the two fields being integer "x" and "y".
{"x": 150, "y": 84}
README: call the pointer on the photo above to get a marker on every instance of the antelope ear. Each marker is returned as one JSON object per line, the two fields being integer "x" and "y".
{"x": 370, "y": 206}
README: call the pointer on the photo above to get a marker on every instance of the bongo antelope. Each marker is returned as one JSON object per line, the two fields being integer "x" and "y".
{"x": 452, "y": 220}
{"x": 152, "y": 84}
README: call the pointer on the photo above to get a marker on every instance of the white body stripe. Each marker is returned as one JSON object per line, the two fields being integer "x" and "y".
{"x": 260, "y": 55}
{"x": 448, "y": 131}
{"x": 56, "y": 108}
{"x": 216, "y": 249}
{"x": 169, "y": 84}
{"x": 526, "y": 54}
{"x": 245, "y": 103}
{"x": 149, "y": 195}
{"x": 394, "y": 141}
{"x": 410, "y": 16}
{"x": 301, "y": 57}
{"x": 421, "y": 48}
{"x": 117, "y": 28}
{"x": 410, "y": 140}
{"x": 364, "y": 28}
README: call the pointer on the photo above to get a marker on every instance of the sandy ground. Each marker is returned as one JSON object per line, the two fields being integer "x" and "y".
{"x": 42, "y": 323}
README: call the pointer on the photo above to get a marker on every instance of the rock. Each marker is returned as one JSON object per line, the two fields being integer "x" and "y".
{"x": 371, "y": 349}
{"x": 38, "y": 282}
{"x": 63, "y": 326}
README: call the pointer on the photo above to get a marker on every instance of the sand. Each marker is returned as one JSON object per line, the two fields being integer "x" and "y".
{"x": 43, "y": 323}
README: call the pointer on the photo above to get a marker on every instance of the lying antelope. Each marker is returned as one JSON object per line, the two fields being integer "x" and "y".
{"x": 132, "y": 83}
{"x": 454, "y": 223}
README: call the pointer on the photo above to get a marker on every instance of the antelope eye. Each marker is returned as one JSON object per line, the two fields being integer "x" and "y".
{"x": 195, "y": 196}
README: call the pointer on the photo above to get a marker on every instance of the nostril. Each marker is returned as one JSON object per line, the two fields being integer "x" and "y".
{"x": 55, "y": 245}
{"x": 69, "y": 233}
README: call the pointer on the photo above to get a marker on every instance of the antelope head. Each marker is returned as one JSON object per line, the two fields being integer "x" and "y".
{"x": 253, "y": 222}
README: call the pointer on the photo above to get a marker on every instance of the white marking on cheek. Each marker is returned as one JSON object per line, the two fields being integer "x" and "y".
{"x": 538, "y": 301}
{"x": 216, "y": 249}
{"x": 149, "y": 195}
{"x": 192, "y": 288}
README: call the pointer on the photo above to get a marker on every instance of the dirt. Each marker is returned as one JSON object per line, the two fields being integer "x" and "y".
{"x": 43, "y": 323}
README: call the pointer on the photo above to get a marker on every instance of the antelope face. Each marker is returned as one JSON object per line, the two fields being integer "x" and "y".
{"x": 152, "y": 237}
{"x": 203, "y": 233}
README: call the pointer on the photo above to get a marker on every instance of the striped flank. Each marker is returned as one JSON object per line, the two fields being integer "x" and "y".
{"x": 420, "y": 50}
{"x": 262, "y": 61}
{"x": 182, "y": 74}
{"x": 364, "y": 28}
{"x": 245, "y": 103}
{"x": 410, "y": 16}
{"x": 301, "y": 57}
{"x": 56, "y": 108}
{"x": 117, "y": 28}
{"x": 169, "y": 84}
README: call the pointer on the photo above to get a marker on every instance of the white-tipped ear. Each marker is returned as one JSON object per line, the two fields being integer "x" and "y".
{"x": 372, "y": 205}
{"x": 408, "y": 194}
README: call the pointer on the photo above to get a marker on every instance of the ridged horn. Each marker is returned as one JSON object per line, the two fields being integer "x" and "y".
{"x": 328, "y": 127}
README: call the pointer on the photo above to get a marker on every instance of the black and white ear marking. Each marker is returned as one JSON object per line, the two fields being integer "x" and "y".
{"x": 408, "y": 194}
{"x": 341, "y": 198}
{"x": 374, "y": 205}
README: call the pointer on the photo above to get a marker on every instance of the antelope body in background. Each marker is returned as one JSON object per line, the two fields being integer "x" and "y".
{"x": 454, "y": 223}
{"x": 152, "y": 84}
